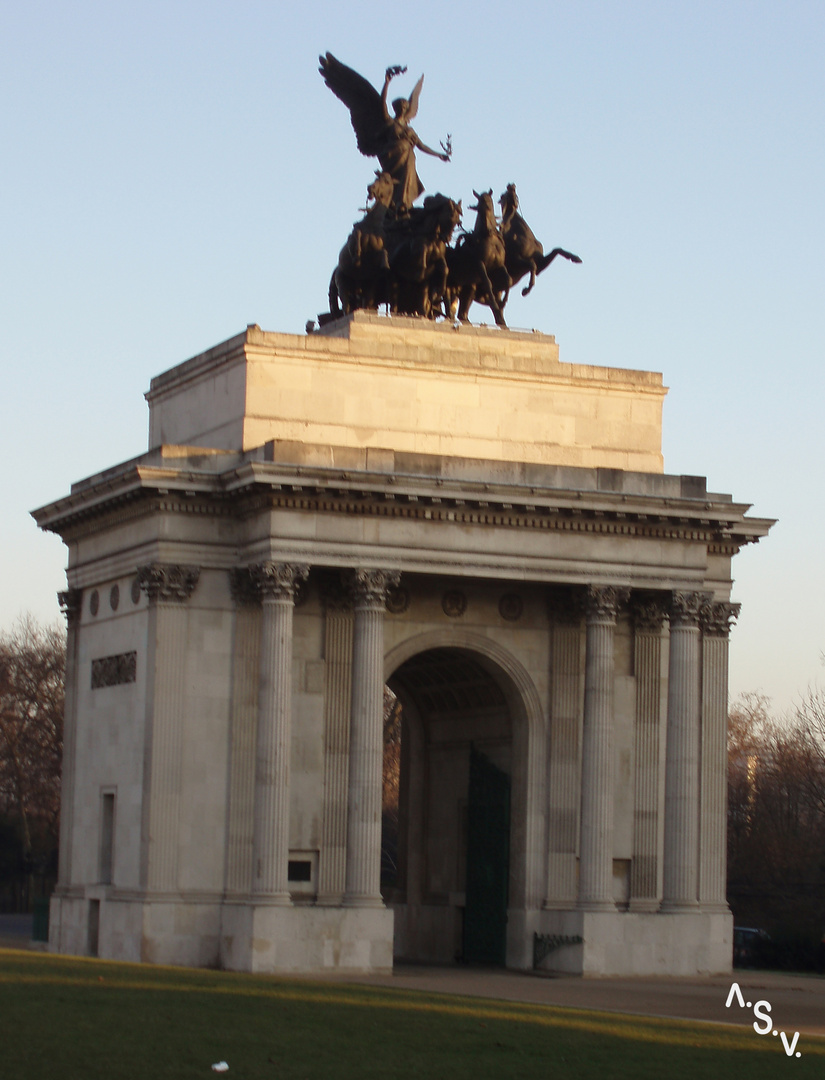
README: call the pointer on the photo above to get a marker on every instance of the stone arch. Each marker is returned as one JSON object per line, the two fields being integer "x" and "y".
{"x": 529, "y": 734}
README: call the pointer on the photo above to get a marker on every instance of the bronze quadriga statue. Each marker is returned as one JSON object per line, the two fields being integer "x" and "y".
{"x": 399, "y": 255}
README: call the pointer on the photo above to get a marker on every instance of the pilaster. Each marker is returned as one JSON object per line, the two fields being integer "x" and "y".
{"x": 564, "y": 747}
{"x": 240, "y": 825}
{"x": 338, "y": 627}
{"x": 680, "y": 887}
{"x": 648, "y": 620}
{"x": 596, "y": 849}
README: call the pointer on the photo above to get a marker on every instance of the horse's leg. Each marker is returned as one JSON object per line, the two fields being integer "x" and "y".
{"x": 498, "y": 314}
{"x": 528, "y": 289}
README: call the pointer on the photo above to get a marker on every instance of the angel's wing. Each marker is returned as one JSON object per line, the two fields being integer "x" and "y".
{"x": 366, "y": 109}
{"x": 414, "y": 96}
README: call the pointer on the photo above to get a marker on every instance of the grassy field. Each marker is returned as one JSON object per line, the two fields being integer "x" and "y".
{"x": 69, "y": 1018}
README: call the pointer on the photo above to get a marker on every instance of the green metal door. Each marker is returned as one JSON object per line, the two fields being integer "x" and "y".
{"x": 488, "y": 862}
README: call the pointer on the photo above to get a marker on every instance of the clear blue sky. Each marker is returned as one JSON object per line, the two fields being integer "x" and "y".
{"x": 176, "y": 170}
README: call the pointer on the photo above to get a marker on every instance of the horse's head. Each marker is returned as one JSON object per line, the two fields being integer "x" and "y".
{"x": 381, "y": 189}
{"x": 486, "y": 219}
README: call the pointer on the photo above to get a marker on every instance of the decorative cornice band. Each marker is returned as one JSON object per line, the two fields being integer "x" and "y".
{"x": 71, "y": 604}
{"x": 717, "y": 618}
{"x": 168, "y": 582}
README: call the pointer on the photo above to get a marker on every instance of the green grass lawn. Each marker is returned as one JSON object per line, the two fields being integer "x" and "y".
{"x": 70, "y": 1018}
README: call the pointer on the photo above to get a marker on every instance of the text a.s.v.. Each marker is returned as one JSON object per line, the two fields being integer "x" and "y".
{"x": 763, "y": 1025}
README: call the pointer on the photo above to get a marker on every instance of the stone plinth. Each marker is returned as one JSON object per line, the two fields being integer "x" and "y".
{"x": 412, "y": 386}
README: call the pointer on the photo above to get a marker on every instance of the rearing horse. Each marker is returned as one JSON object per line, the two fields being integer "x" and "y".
{"x": 523, "y": 251}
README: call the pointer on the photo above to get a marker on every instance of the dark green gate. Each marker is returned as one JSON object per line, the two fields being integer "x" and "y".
{"x": 488, "y": 862}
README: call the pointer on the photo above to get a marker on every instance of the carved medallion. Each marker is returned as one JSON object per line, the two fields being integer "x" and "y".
{"x": 453, "y": 603}
{"x": 94, "y": 602}
{"x": 398, "y": 600}
{"x": 511, "y": 607}
{"x": 114, "y": 597}
{"x": 135, "y": 591}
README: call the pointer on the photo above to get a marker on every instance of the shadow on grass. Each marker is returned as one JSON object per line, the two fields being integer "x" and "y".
{"x": 74, "y": 1018}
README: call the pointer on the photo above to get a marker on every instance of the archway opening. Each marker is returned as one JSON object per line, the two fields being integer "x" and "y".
{"x": 448, "y": 762}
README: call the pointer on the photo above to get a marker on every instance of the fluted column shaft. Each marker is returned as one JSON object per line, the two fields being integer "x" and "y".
{"x": 716, "y": 622}
{"x": 363, "y": 875}
{"x": 596, "y": 848}
{"x": 332, "y": 868}
{"x": 681, "y": 843}
{"x": 647, "y": 668}
{"x": 276, "y": 583}
{"x": 70, "y": 602}
{"x": 563, "y": 779}
{"x": 168, "y": 587}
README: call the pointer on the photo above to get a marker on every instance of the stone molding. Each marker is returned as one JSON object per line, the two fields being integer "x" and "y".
{"x": 686, "y": 608}
{"x": 717, "y": 618}
{"x": 602, "y": 602}
{"x": 71, "y": 605}
{"x": 168, "y": 582}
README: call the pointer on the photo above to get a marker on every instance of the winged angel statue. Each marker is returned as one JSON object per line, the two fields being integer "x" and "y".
{"x": 389, "y": 138}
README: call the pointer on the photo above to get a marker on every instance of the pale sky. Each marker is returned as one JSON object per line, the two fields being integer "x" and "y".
{"x": 176, "y": 170}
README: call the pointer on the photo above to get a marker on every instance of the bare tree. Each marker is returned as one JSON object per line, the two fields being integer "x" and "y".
{"x": 32, "y": 671}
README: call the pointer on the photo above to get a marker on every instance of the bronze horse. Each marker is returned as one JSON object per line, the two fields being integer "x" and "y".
{"x": 523, "y": 252}
{"x": 476, "y": 260}
{"x": 418, "y": 256}
{"x": 363, "y": 263}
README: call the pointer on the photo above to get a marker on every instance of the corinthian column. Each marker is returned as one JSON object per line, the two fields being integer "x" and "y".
{"x": 70, "y": 604}
{"x": 716, "y": 619}
{"x": 276, "y": 584}
{"x": 363, "y": 876}
{"x": 596, "y": 848}
{"x": 680, "y": 888}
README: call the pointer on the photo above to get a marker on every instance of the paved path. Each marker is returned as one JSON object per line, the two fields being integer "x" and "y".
{"x": 797, "y": 1002}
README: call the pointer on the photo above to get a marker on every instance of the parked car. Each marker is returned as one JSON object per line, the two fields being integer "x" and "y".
{"x": 748, "y": 946}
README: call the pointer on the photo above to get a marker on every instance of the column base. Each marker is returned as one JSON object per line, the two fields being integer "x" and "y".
{"x": 596, "y": 905}
{"x": 679, "y": 907}
{"x": 362, "y": 901}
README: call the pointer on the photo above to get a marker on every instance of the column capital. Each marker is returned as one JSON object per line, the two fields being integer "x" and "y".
{"x": 649, "y": 613}
{"x": 602, "y": 602}
{"x": 686, "y": 608}
{"x": 369, "y": 587}
{"x": 277, "y": 581}
{"x": 71, "y": 603}
{"x": 717, "y": 617}
{"x": 168, "y": 581}
{"x": 565, "y": 606}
